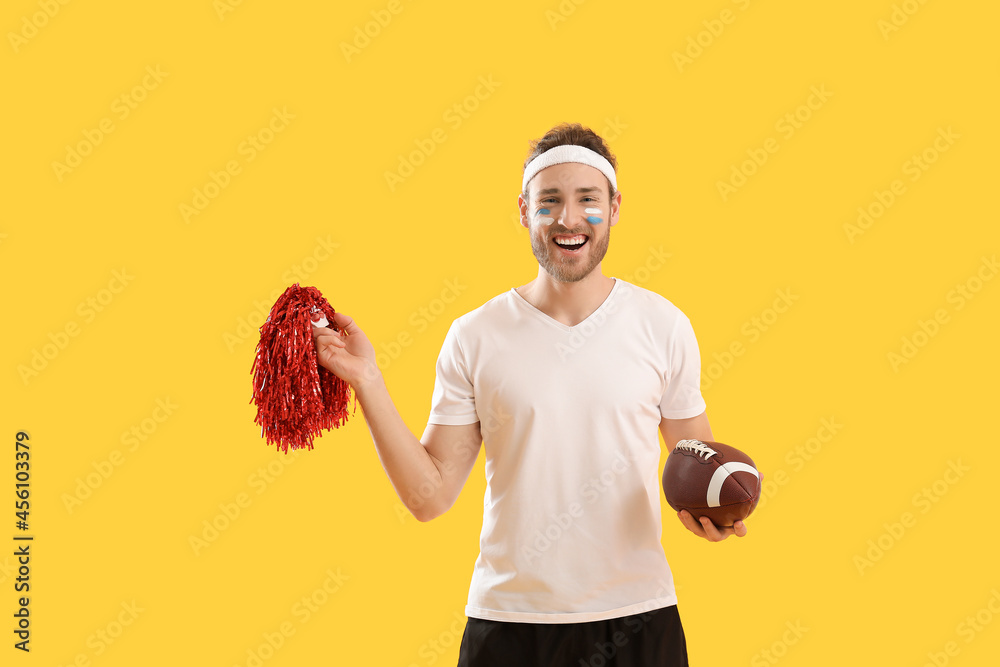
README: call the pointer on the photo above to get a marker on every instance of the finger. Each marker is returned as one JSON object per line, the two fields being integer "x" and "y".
{"x": 329, "y": 342}
{"x": 690, "y": 523}
{"x": 711, "y": 531}
{"x": 325, "y": 335}
{"x": 345, "y": 323}
{"x": 739, "y": 529}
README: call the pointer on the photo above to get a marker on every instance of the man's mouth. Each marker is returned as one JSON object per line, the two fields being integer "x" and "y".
{"x": 570, "y": 243}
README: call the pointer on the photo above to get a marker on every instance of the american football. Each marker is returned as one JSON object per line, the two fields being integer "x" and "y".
{"x": 711, "y": 479}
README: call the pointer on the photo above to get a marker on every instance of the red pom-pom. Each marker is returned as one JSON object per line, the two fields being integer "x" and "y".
{"x": 296, "y": 398}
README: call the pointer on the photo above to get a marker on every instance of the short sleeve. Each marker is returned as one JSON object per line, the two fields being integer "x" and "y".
{"x": 453, "y": 402}
{"x": 682, "y": 398}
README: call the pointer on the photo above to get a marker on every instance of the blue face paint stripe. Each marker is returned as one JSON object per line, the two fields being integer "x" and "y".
{"x": 542, "y": 211}
{"x": 594, "y": 220}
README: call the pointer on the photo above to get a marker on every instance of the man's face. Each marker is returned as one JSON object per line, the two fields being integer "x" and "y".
{"x": 569, "y": 203}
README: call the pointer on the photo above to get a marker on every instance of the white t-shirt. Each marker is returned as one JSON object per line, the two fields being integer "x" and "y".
{"x": 570, "y": 418}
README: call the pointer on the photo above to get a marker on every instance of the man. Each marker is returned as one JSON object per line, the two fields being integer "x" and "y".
{"x": 566, "y": 380}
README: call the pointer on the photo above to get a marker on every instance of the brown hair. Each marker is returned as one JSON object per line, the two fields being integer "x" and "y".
{"x": 572, "y": 134}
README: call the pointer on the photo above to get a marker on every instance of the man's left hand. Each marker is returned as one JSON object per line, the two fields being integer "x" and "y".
{"x": 705, "y": 528}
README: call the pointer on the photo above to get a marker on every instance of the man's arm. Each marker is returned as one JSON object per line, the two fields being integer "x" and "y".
{"x": 675, "y": 430}
{"x": 427, "y": 475}
{"x": 696, "y": 428}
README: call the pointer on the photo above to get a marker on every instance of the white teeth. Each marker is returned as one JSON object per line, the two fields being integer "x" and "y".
{"x": 574, "y": 241}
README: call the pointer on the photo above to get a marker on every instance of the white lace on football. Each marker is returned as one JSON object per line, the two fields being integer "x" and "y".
{"x": 698, "y": 447}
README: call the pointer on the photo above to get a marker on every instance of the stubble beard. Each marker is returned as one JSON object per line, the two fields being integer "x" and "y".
{"x": 568, "y": 269}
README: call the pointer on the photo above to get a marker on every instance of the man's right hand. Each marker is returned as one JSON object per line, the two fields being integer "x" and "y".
{"x": 347, "y": 353}
{"x": 703, "y": 527}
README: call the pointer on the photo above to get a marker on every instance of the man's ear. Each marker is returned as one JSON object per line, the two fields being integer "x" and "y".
{"x": 616, "y": 204}
{"x": 522, "y": 206}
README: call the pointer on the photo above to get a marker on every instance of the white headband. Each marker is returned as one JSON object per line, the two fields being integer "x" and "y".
{"x": 569, "y": 153}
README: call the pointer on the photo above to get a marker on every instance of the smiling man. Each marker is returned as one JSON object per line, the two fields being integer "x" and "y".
{"x": 568, "y": 381}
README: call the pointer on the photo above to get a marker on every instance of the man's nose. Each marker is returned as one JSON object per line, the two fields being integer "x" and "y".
{"x": 570, "y": 215}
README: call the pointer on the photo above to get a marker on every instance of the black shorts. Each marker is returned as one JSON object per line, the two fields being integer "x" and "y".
{"x": 650, "y": 639}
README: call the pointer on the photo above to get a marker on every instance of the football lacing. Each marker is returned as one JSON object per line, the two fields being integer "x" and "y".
{"x": 698, "y": 447}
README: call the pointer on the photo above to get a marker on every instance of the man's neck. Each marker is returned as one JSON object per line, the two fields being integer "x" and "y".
{"x": 567, "y": 303}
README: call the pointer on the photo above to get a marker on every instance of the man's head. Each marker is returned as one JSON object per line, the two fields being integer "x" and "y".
{"x": 570, "y": 201}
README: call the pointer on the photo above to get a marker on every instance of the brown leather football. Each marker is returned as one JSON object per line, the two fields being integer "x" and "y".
{"x": 711, "y": 479}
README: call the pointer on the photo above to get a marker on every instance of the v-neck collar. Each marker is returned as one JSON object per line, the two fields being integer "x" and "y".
{"x": 551, "y": 320}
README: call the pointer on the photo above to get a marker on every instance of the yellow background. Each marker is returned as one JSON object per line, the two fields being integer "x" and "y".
{"x": 827, "y": 552}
